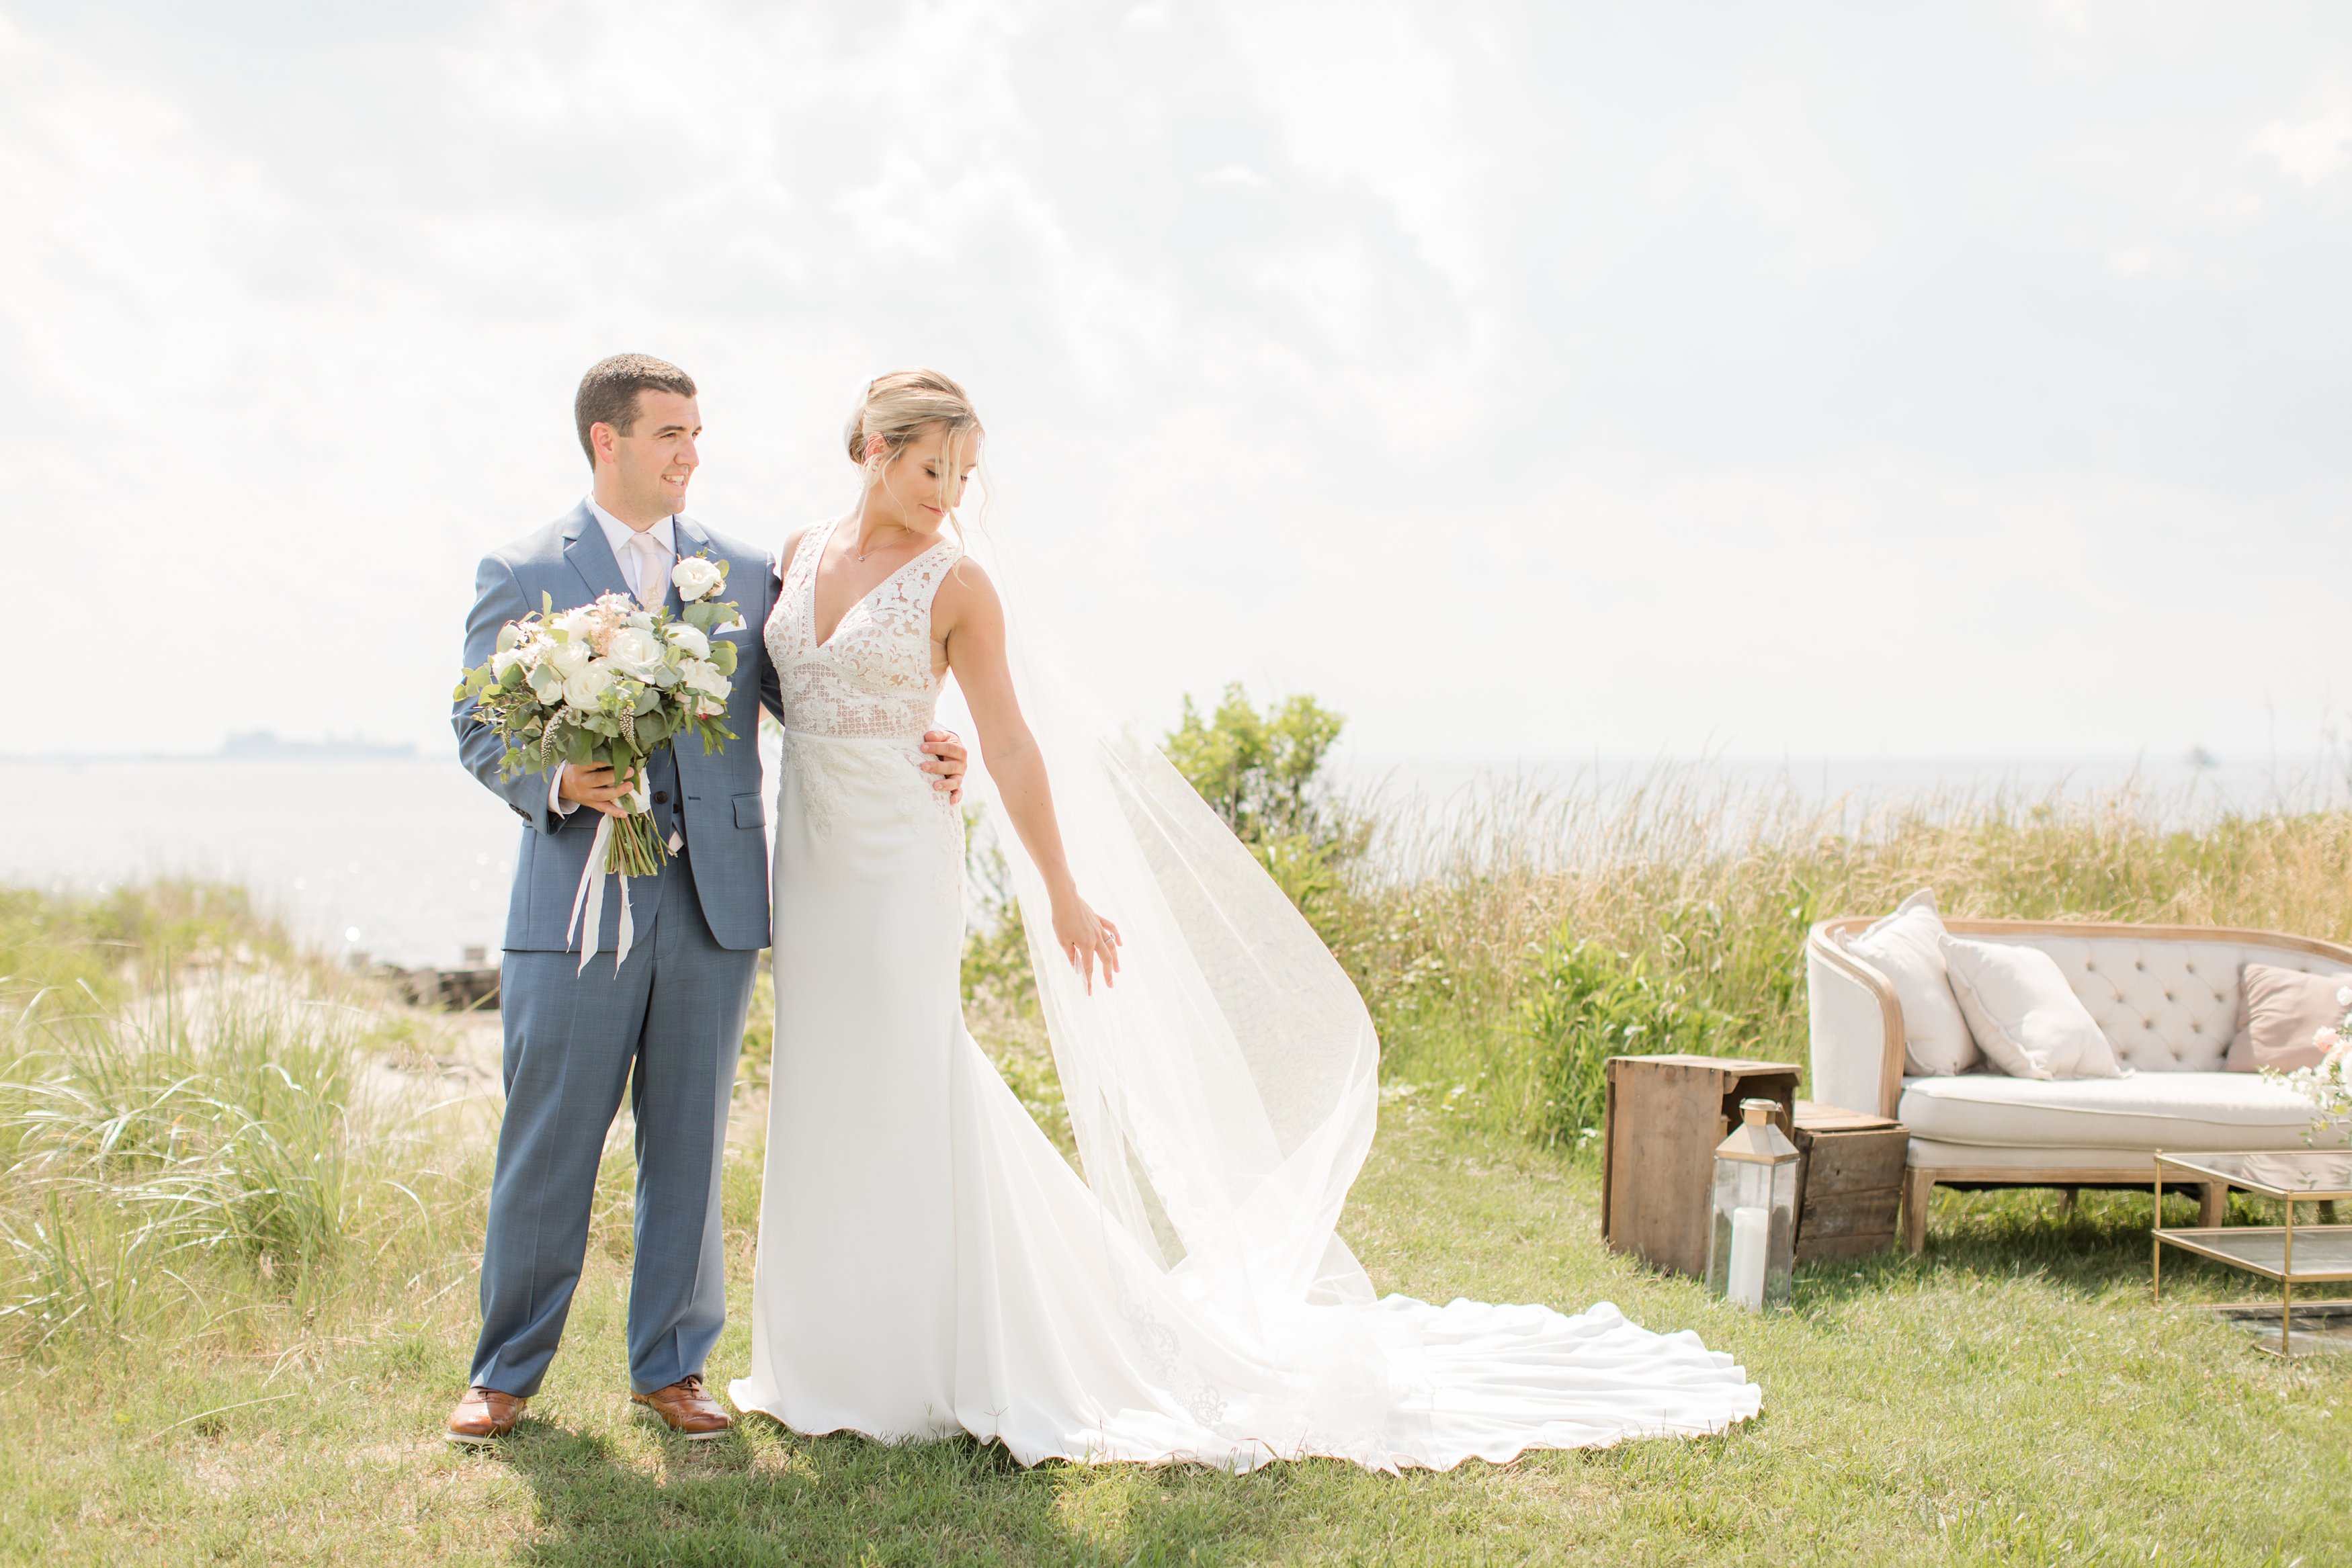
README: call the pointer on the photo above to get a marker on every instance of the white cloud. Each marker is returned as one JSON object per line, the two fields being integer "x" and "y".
{"x": 2310, "y": 149}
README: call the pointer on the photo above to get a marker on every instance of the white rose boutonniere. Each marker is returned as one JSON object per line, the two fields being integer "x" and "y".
{"x": 698, "y": 576}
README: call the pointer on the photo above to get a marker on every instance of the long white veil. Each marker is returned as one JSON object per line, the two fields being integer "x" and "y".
{"x": 1223, "y": 1093}
{"x": 1224, "y": 1096}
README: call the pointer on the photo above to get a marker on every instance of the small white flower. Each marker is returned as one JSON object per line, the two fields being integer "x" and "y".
{"x": 577, "y": 624}
{"x": 505, "y": 659}
{"x": 570, "y": 658}
{"x": 635, "y": 652}
{"x": 689, "y": 639}
{"x": 711, "y": 708}
{"x": 696, "y": 577}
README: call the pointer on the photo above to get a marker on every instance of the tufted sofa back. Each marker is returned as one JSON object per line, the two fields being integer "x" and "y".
{"x": 2166, "y": 997}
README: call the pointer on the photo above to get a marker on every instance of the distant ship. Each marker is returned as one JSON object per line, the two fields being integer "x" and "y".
{"x": 261, "y": 746}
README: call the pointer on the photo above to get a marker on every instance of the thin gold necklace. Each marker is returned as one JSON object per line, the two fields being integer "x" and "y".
{"x": 861, "y": 554}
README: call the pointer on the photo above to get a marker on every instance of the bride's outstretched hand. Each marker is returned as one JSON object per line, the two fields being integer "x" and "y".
{"x": 1084, "y": 937}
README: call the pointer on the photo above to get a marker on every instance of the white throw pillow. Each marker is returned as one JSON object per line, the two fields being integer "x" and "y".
{"x": 2024, "y": 1016}
{"x": 1906, "y": 947}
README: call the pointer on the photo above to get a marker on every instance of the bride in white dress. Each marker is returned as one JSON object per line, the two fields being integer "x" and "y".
{"x": 929, "y": 1263}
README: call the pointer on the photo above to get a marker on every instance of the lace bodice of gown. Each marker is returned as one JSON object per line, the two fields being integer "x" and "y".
{"x": 873, "y": 678}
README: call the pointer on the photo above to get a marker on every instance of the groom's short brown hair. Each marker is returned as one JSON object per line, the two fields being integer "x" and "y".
{"x": 608, "y": 392}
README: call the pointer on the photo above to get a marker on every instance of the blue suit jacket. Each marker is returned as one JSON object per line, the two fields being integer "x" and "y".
{"x": 717, "y": 807}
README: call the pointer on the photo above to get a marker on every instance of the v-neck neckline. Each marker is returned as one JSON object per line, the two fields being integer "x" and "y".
{"x": 816, "y": 574}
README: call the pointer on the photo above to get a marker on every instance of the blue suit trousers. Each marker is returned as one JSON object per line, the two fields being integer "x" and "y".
{"x": 666, "y": 1028}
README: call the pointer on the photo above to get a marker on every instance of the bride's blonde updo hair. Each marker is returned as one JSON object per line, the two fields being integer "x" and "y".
{"x": 900, "y": 407}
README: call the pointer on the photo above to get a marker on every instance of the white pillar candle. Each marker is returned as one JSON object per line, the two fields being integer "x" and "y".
{"x": 1751, "y": 1229}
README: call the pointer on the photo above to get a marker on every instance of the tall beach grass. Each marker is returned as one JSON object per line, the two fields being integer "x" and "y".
{"x": 200, "y": 1131}
{"x": 1509, "y": 939}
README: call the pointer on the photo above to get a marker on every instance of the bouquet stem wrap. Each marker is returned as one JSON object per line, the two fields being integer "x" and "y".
{"x": 589, "y": 900}
{"x": 623, "y": 847}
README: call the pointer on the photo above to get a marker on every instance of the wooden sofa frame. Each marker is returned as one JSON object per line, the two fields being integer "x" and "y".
{"x": 1919, "y": 1182}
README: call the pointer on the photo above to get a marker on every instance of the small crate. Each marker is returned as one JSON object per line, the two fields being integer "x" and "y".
{"x": 1849, "y": 1182}
{"x": 1665, "y": 1114}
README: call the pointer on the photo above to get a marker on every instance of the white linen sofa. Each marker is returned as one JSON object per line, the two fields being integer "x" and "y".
{"x": 2166, "y": 997}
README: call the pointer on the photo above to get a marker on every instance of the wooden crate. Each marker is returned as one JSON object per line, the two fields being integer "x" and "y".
{"x": 1849, "y": 1182}
{"x": 1664, "y": 1116}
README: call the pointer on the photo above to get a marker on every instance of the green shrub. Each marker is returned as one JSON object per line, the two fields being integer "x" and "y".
{"x": 1263, "y": 773}
{"x": 1583, "y": 1003}
{"x": 1259, "y": 771}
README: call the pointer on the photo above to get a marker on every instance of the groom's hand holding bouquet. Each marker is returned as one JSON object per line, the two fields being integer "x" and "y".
{"x": 606, "y": 684}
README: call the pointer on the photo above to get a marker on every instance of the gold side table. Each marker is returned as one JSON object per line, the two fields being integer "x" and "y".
{"x": 2290, "y": 1253}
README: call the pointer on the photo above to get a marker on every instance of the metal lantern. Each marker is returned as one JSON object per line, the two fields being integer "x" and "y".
{"x": 1752, "y": 1248}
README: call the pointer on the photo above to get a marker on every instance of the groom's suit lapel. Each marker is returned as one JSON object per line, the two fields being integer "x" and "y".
{"x": 590, "y": 556}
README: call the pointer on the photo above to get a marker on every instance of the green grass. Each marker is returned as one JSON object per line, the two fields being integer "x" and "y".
{"x": 2010, "y": 1397}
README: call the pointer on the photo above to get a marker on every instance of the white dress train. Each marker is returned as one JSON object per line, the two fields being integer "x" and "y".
{"x": 930, "y": 1264}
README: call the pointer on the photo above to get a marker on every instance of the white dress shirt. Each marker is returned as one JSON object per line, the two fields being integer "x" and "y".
{"x": 618, "y": 534}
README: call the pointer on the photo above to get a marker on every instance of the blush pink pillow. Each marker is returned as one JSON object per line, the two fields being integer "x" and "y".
{"x": 2283, "y": 1009}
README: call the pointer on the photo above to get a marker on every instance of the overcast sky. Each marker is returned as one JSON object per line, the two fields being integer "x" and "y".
{"x": 1518, "y": 378}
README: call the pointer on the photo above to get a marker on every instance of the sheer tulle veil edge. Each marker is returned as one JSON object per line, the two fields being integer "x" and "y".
{"x": 1224, "y": 1096}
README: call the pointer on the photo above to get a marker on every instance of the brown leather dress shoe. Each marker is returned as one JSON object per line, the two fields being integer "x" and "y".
{"x": 484, "y": 1415}
{"x": 688, "y": 1410}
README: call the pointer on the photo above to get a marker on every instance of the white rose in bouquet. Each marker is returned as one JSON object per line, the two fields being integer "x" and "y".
{"x": 636, "y": 652}
{"x": 702, "y": 675}
{"x": 570, "y": 658}
{"x": 697, "y": 578}
{"x": 577, "y": 624}
{"x": 587, "y": 688}
{"x": 505, "y": 659}
{"x": 688, "y": 639}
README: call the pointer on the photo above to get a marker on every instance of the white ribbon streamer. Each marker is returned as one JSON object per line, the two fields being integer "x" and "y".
{"x": 590, "y": 899}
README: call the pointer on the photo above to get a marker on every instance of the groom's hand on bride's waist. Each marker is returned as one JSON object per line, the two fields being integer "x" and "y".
{"x": 947, "y": 762}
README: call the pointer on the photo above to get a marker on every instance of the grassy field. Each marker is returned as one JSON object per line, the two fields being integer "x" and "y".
{"x": 245, "y": 1194}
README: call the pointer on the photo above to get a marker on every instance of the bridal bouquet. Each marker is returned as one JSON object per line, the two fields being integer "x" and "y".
{"x": 610, "y": 682}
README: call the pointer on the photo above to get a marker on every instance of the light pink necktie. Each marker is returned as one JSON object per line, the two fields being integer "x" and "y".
{"x": 653, "y": 570}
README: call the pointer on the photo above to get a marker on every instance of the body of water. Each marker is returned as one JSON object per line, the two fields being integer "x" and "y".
{"x": 409, "y": 860}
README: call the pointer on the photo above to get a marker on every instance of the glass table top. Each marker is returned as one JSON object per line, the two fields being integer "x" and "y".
{"x": 2322, "y": 1253}
{"x": 2313, "y": 1174}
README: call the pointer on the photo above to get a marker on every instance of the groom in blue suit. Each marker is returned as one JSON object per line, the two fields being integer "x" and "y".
{"x": 665, "y": 1025}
